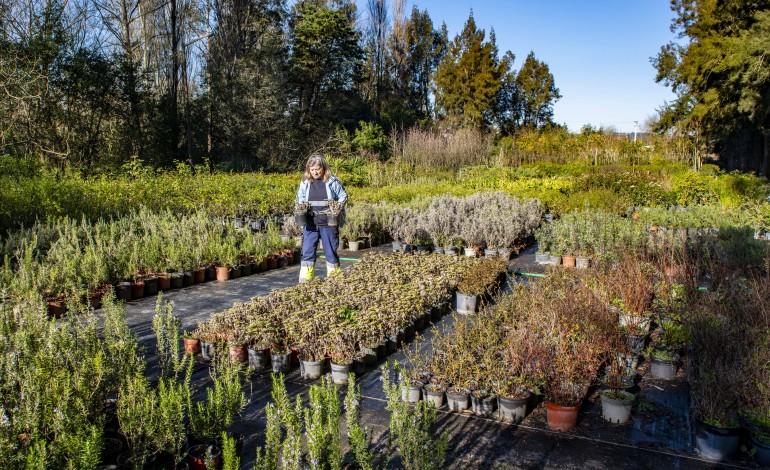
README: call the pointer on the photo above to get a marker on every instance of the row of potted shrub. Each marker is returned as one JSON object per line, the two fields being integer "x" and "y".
{"x": 77, "y": 260}
{"x": 579, "y": 237}
{"x": 494, "y": 220}
{"x": 359, "y": 315}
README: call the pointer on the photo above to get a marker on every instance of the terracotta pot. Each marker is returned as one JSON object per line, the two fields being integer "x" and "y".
{"x": 561, "y": 418}
{"x": 56, "y": 308}
{"x": 199, "y": 275}
{"x": 568, "y": 261}
{"x": 164, "y": 282}
{"x": 137, "y": 290}
{"x": 192, "y": 346}
{"x": 223, "y": 273}
{"x": 196, "y": 457}
{"x": 239, "y": 353}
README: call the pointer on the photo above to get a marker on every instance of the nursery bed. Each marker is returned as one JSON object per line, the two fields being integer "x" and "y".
{"x": 658, "y": 437}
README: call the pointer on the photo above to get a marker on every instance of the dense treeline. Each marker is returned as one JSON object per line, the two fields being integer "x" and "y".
{"x": 244, "y": 84}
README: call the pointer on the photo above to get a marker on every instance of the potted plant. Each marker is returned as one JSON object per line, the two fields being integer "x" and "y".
{"x": 616, "y": 402}
{"x": 479, "y": 279}
{"x": 341, "y": 347}
{"x": 544, "y": 239}
{"x": 192, "y": 343}
{"x": 300, "y": 213}
{"x": 334, "y": 211}
{"x": 715, "y": 376}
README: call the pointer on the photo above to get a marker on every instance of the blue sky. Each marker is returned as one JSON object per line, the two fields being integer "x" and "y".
{"x": 597, "y": 50}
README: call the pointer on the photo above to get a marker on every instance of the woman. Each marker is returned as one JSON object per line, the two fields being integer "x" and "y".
{"x": 317, "y": 185}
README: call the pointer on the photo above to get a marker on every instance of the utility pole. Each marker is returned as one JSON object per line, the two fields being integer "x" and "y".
{"x": 636, "y": 125}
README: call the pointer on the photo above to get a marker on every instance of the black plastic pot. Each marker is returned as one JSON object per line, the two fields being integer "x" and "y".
{"x": 151, "y": 286}
{"x": 761, "y": 451}
{"x": 714, "y": 443}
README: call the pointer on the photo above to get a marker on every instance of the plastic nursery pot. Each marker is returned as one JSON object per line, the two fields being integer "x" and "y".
{"x": 483, "y": 405}
{"x": 512, "y": 410}
{"x": 466, "y": 304}
{"x": 123, "y": 291}
{"x": 281, "y": 362}
{"x": 177, "y": 280}
{"x": 137, "y": 290}
{"x": 761, "y": 451}
{"x": 151, "y": 285}
{"x": 434, "y": 395}
{"x": 616, "y": 406}
{"x": 413, "y": 393}
{"x": 238, "y": 353}
{"x": 582, "y": 262}
{"x": 457, "y": 399}
{"x": 56, "y": 308}
{"x": 207, "y": 350}
{"x": 164, "y": 282}
{"x": 223, "y": 273}
{"x": 662, "y": 368}
{"x": 257, "y": 359}
{"x": 311, "y": 370}
{"x": 340, "y": 373}
{"x": 561, "y": 418}
{"x": 715, "y": 443}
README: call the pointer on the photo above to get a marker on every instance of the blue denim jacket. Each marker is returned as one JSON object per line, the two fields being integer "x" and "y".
{"x": 334, "y": 190}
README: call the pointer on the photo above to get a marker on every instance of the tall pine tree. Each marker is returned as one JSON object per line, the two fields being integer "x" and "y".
{"x": 469, "y": 78}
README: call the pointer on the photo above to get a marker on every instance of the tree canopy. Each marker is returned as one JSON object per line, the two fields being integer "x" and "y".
{"x": 93, "y": 85}
{"x": 720, "y": 72}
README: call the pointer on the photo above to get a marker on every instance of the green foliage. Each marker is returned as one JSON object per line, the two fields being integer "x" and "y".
{"x": 370, "y": 139}
{"x": 359, "y": 438}
{"x": 224, "y": 400}
{"x": 230, "y": 459}
{"x": 413, "y": 430}
{"x": 537, "y": 92}
{"x": 719, "y": 74}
